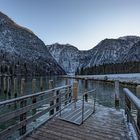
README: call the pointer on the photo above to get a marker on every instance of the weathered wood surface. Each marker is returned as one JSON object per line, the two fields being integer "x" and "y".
{"x": 105, "y": 124}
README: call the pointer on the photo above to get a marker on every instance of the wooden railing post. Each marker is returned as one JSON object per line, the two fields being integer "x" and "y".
{"x": 75, "y": 92}
{"x": 86, "y": 88}
{"x": 51, "y": 85}
{"x": 33, "y": 91}
{"x": 67, "y": 90}
{"x": 116, "y": 93}
{"x": 70, "y": 94}
{"x": 58, "y": 100}
{"x": 138, "y": 119}
{"x": 127, "y": 108}
{"x": 22, "y": 104}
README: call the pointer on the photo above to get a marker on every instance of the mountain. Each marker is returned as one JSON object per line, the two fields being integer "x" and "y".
{"x": 23, "y": 52}
{"x": 107, "y": 51}
{"x": 69, "y": 57}
{"x": 112, "y": 50}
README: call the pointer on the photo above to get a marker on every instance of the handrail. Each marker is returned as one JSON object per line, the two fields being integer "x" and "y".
{"x": 130, "y": 99}
{"x": 83, "y": 102}
{"x": 21, "y": 112}
{"x": 32, "y": 95}
{"x": 135, "y": 100}
{"x": 87, "y": 92}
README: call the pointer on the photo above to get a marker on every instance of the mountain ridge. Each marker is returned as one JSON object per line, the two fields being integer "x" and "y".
{"x": 105, "y": 52}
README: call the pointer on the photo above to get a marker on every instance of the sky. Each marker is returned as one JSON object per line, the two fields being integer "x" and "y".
{"x": 82, "y": 23}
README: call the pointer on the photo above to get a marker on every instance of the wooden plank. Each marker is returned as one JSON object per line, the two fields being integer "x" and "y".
{"x": 105, "y": 124}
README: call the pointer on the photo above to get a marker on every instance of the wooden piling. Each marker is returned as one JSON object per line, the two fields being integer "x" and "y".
{"x": 4, "y": 85}
{"x": 22, "y": 86}
{"x": 51, "y": 85}
{"x": 41, "y": 83}
{"x": 116, "y": 93}
{"x": 22, "y": 104}
{"x": 75, "y": 92}
{"x": 9, "y": 87}
{"x": 15, "y": 87}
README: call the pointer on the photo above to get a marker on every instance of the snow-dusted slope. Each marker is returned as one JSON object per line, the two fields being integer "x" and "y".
{"x": 112, "y": 50}
{"x": 19, "y": 45}
{"x": 66, "y": 56}
{"x": 107, "y": 51}
{"x": 134, "y": 53}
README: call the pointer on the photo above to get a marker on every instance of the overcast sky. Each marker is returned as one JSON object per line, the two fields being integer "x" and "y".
{"x": 82, "y": 23}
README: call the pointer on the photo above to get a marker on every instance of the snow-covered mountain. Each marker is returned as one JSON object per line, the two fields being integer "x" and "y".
{"x": 69, "y": 57}
{"x": 20, "y": 46}
{"x": 112, "y": 50}
{"x": 107, "y": 51}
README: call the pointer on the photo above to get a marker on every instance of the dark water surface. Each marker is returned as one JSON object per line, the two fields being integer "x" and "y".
{"x": 104, "y": 91}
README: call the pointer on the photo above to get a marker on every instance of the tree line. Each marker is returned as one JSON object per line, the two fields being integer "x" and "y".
{"x": 118, "y": 68}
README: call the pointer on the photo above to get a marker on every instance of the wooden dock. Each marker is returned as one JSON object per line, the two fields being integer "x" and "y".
{"x": 101, "y": 79}
{"x": 105, "y": 124}
{"x": 68, "y": 117}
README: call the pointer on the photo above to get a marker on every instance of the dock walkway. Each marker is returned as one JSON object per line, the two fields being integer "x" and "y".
{"x": 104, "y": 124}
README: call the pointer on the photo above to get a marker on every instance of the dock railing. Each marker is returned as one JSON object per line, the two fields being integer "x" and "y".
{"x": 85, "y": 99}
{"x": 16, "y": 114}
{"x": 132, "y": 101}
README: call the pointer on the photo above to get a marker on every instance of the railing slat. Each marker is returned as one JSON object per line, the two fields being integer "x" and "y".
{"x": 10, "y": 115}
{"x": 24, "y": 109}
{"x": 17, "y": 126}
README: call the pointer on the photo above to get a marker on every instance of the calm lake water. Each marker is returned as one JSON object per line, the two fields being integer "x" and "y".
{"x": 104, "y": 94}
{"x": 104, "y": 91}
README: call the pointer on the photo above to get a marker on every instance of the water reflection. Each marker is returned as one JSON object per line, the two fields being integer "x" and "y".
{"x": 104, "y": 91}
